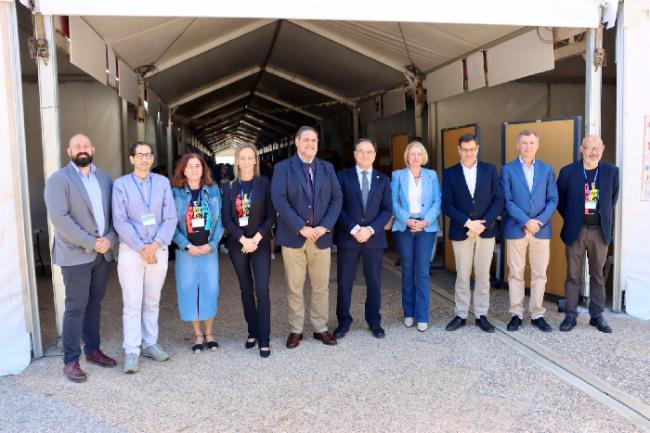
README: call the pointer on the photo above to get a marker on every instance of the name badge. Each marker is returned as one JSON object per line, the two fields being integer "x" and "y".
{"x": 198, "y": 223}
{"x": 243, "y": 221}
{"x": 148, "y": 219}
{"x": 591, "y": 204}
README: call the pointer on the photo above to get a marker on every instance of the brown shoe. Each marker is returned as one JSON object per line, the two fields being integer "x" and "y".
{"x": 325, "y": 337}
{"x": 98, "y": 357}
{"x": 73, "y": 372}
{"x": 294, "y": 340}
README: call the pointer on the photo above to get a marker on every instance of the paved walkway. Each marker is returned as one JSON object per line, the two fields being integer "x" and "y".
{"x": 437, "y": 381}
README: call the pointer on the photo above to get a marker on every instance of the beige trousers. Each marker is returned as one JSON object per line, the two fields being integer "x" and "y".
{"x": 297, "y": 262}
{"x": 539, "y": 253}
{"x": 473, "y": 253}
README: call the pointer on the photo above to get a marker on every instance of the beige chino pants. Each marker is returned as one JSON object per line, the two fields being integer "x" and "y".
{"x": 297, "y": 262}
{"x": 473, "y": 253}
{"x": 539, "y": 253}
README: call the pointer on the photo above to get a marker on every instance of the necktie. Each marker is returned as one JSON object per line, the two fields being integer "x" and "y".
{"x": 365, "y": 188}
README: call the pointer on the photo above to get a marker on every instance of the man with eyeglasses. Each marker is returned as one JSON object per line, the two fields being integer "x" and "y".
{"x": 588, "y": 190}
{"x": 472, "y": 199}
{"x": 145, "y": 219}
{"x": 78, "y": 200}
{"x": 360, "y": 234}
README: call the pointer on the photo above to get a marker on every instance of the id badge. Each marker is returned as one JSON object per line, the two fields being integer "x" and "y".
{"x": 591, "y": 204}
{"x": 148, "y": 219}
{"x": 198, "y": 223}
{"x": 243, "y": 221}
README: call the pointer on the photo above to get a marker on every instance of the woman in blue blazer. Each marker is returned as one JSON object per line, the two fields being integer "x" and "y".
{"x": 416, "y": 206}
{"x": 199, "y": 229}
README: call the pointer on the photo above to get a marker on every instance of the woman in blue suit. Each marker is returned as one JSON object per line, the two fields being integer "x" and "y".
{"x": 199, "y": 229}
{"x": 416, "y": 206}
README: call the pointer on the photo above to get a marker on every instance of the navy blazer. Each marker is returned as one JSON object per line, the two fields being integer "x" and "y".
{"x": 521, "y": 204}
{"x": 571, "y": 190}
{"x": 459, "y": 206}
{"x": 379, "y": 208}
{"x": 289, "y": 194}
{"x": 261, "y": 216}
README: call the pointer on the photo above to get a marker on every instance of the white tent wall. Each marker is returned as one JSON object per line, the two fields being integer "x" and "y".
{"x": 491, "y": 106}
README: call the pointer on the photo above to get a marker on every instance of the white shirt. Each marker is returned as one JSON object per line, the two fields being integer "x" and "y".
{"x": 415, "y": 194}
{"x": 357, "y": 227}
{"x": 470, "y": 177}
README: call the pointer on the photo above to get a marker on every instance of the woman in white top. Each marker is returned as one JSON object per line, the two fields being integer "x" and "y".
{"x": 416, "y": 206}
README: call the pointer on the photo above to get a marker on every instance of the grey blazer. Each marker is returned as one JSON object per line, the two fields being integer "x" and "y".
{"x": 69, "y": 209}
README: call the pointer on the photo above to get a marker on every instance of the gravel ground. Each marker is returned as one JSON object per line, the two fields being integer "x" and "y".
{"x": 466, "y": 381}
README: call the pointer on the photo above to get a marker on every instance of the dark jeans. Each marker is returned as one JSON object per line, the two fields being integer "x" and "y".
{"x": 85, "y": 287}
{"x": 589, "y": 240}
{"x": 347, "y": 262}
{"x": 257, "y": 315}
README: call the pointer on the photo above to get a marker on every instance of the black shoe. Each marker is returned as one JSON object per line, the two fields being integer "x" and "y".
{"x": 514, "y": 323}
{"x": 340, "y": 332}
{"x": 455, "y": 323}
{"x": 600, "y": 324}
{"x": 265, "y": 351}
{"x": 377, "y": 331}
{"x": 250, "y": 342}
{"x": 541, "y": 324}
{"x": 568, "y": 324}
{"x": 483, "y": 323}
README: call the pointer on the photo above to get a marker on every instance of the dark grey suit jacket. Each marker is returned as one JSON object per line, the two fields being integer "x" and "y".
{"x": 70, "y": 210}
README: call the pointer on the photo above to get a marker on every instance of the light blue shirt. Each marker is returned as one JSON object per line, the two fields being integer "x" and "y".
{"x": 360, "y": 176}
{"x": 91, "y": 184}
{"x": 529, "y": 172}
{"x": 134, "y": 200}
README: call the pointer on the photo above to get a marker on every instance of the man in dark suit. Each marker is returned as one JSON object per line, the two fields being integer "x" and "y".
{"x": 78, "y": 200}
{"x": 588, "y": 190}
{"x": 472, "y": 198}
{"x": 367, "y": 207}
{"x": 307, "y": 196}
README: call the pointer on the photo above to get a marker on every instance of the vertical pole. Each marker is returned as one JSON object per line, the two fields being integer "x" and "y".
{"x": 617, "y": 295}
{"x": 418, "y": 96}
{"x": 170, "y": 146}
{"x": 355, "y": 124}
{"x": 593, "y": 96}
{"x": 124, "y": 123}
{"x": 48, "y": 89}
{"x": 141, "y": 111}
{"x": 19, "y": 280}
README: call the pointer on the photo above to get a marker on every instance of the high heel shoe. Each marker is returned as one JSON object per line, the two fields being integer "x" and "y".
{"x": 198, "y": 346}
{"x": 211, "y": 343}
{"x": 250, "y": 342}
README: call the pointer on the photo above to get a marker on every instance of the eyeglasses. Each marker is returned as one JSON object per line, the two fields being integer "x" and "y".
{"x": 143, "y": 156}
{"x": 470, "y": 150}
{"x": 365, "y": 152}
{"x": 592, "y": 149}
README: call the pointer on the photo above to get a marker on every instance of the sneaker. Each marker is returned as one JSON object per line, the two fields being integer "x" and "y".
{"x": 423, "y": 326}
{"x": 408, "y": 322}
{"x": 156, "y": 353}
{"x": 131, "y": 363}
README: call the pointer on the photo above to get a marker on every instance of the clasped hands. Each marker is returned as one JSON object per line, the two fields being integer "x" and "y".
{"x": 198, "y": 250}
{"x": 102, "y": 245}
{"x": 362, "y": 234}
{"x": 475, "y": 228}
{"x": 533, "y": 226}
{"x": 415, "y": 225}
{"x": 313, "y": 233}
{"x": 148, "y": 252}
{"x": 249, "y": 245}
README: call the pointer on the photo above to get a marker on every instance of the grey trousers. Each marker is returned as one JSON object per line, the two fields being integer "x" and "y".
{"x": 590, "y": 240}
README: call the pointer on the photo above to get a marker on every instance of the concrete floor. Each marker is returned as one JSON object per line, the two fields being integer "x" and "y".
{"x": 437, "y": 381}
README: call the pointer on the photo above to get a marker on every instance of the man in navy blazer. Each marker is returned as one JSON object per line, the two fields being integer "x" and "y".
{"x": 307, "y": 197}
{"x": 588, "y": 190}
{"x": 473, "y": 200}
{"x": 530, "y": 197}
{"x": 367, "y": 207}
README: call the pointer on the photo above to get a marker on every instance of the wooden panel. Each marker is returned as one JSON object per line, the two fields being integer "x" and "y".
{"x": 398, "y": 145}
{"x": 558, "y": 141}
{"x": 450, "y": 157}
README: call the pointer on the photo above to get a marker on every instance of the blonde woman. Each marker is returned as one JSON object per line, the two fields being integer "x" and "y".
{"x": 416, "y": 206}
{"x": 248, "y": 215}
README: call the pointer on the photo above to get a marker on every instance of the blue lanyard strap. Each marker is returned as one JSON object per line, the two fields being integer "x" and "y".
{"x": 147, "y": 202}
{"x": 587, "y": 179}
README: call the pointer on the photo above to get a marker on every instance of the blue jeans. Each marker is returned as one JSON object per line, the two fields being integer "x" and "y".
{"x": 415, "y": 257}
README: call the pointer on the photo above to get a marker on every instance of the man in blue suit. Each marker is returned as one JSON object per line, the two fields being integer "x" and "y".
{"x": 360, "y": 233}
{"x": 472, "y": 199}
{"x": 307, "y": 196}
{"x": 530, "y": 197}
{"x": 588, "y": 190}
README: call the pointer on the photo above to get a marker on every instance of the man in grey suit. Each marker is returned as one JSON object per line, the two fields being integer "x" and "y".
{"x": 78, "y": 200}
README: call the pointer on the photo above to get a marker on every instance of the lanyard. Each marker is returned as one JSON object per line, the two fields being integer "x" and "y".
{"x": 147, "y": 202}
{"x": 198, "y": 198}
{"x": 587, "y": 179}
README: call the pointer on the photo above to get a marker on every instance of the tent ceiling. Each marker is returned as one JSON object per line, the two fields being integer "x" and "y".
{"x": 330, "y": 59}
